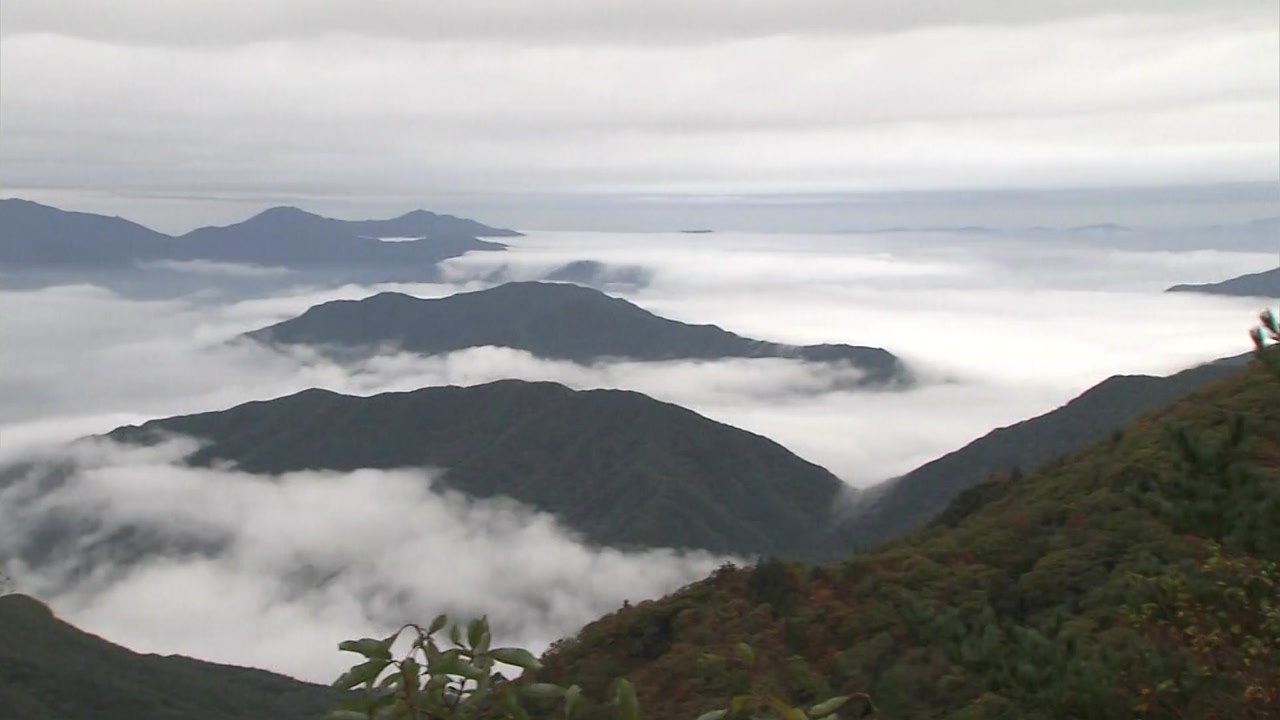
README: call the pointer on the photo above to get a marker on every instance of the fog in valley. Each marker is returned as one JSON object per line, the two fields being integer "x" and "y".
{"x": 994, "y": 331}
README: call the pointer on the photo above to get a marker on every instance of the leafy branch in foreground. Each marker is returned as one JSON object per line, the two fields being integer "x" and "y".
{"x": 1265, "y": 335}
{"x": 428, "y": 681}
{"x": 461, "y": 682}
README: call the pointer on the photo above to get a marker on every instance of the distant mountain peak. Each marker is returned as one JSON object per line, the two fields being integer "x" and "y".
{"x": 284, "y": 213}
{"x": 421, "y": 214}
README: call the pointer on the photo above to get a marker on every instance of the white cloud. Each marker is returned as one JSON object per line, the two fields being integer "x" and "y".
{"x": 648, "y": 22}
{"x": 415, "y": 101}
{"x": 213, "y": 267}
{"x": 291, "y": 565}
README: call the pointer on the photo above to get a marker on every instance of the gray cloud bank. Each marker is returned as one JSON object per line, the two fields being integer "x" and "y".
{"x": 579, "y": 21}
{"x": 419, "y": 101}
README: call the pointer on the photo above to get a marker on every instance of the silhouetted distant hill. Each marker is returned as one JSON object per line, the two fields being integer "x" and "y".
{"x": 50, "y": 670}
{"x": 619, "y": 467}
{"x": 37, "y": 235}
{"x": 908, "y": 502}
{"x": 551, "y": 320}
{"x": 291, "y": 237}
{"x": 1262, "y": 284}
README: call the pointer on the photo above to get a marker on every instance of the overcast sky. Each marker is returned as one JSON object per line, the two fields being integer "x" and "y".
{"x": 401, "y": 103}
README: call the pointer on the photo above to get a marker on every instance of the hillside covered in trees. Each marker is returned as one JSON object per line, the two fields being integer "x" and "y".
{"x": 619, "y": 467}
{"x": 50, "y": 670}
{"x": 906, "y": 503}
{"x": 1138, "y": 578}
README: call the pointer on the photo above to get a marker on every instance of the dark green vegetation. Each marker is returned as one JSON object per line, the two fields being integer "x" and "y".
{"x": 551, "y": 320}
{"x": 908, "y": 502}
{"x": 50, "y": 670}
{"x": 619, "y": 467}
{"x": 1137, "y": 578}
{"x": 41, "y": 236}
{"x": 1262, "y": 284}
{"x": 453, "y": 676}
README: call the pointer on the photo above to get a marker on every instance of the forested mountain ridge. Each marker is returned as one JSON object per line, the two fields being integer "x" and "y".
{"x": 1134, "y": 579}
{"x": 50, "y": 670}
{"x": 550, "y": 320}
{"x": 910, "y": 501}
{"x": 619, "y": 467}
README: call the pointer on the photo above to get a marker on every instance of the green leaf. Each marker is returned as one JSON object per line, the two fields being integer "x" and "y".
{"x": 451, "y": 663}
{"x": 410, "y": 672}
{"x": 745, "y": 653}
{"x": 436, "y": 625}
{"x": 543, "y": 691}
{"x": 713, "y": 715}
{"x": 371, "y": 648}
{"x": 627, "y": 701}
{"x": 827, "y": 707}
{"x": 519, "y": 657}
{"x": 475, "y": 631}
{"x": 739, "y": 703}
{"x": 572, "y": 700}
{"x": 360, "y": 674}
{"x": 508, "y": 700}
{"x": 482, "y": 647}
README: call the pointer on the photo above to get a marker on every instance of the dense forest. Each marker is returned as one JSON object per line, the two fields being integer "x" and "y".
{"x": 1136, "y": 578}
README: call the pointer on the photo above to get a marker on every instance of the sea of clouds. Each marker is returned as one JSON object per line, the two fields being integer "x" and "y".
{"x": 274, "y": 573}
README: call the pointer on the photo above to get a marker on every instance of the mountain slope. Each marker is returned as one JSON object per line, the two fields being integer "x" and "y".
{"x": 292, "y": 237}
{"x": 1261, "y": 284}
{"x": 908, "y": 502}
{"x": 551, "y": 320}
{"x": 618, "y": 467}
{"x": 35, "y": 234}
{"x": 50, "y": 670}
{"x": 1134, "y": 579}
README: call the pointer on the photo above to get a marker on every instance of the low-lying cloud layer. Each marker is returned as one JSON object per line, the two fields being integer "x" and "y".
{"x": 999, "y": 331}
{"x": 273, "y": 572}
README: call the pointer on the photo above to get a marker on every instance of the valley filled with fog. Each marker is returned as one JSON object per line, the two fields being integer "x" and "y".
{"x": 994, "y": 328}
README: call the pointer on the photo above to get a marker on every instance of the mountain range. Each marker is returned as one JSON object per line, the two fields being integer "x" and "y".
{"x": 550, "y": 320}
{"x": 50, "y": 670}
{"x": 1024, "y": 595}
{"x": 40, "y": 236}
{"x": 618, "y": 467}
